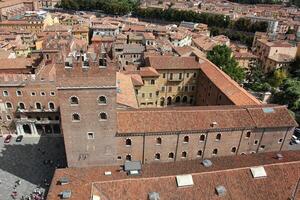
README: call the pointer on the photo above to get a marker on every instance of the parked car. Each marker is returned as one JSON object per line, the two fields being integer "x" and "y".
{"x": 19, "y": 138}
{"x": 8, "y": 139}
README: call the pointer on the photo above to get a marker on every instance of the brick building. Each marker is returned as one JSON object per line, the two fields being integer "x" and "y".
{"x": 86, "y": 85}
{"x": 185, "y": 133}
{"x": 227, "y": 178}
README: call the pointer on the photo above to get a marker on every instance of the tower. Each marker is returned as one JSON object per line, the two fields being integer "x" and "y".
{"x": 86, "y": 84}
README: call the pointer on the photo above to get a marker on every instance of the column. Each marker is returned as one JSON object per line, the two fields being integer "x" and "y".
{"x": 20, "y": 130}
{"x": 33, "y": 129}
{"x": 52, "y": 128}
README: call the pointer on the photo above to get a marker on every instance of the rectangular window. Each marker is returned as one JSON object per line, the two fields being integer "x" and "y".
{"x": 152, "y": 82}
{"x": 163, "y": 88}
{"x": 90, "y": 135}
{"x": 171, "y": 76}
{"x": 164, "y": 75}
{"x": 143, "y": 95}
{"x": 150, "y": 95}
{"x": 180, "y": 76}
{"x": 170, "y": 89}
{"x": 179, "y": 88}
{"x": 185, "y": 88}
{"x": 187, "y": 75}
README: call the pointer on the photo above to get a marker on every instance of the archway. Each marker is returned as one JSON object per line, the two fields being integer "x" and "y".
{"x": 177, "y": 100}
{"x": 169, "y": 101}
{"x": 27, "y": 129}
{"x": 48, "y": 129}
{"x": 162, "y": 101}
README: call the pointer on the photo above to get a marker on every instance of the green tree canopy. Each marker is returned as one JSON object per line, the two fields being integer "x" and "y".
{"x": 289, "y": 94}
{"x": 221, "y": 56}
{"x": 295, "y": 68}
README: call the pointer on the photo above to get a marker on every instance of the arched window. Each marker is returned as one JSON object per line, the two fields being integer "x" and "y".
{"x": 103, "y": 116}
{"x": 128, "y": 157}
{"x": 19, "y": 93}
{"x": 215, "y": 152}
{"x": 233, "y": 149}
{"x": 202, "y": 138}
{"x": 186, "y": 139}
{"x": 38, "y": 105}
{"x": 128, "y": 142}
{"x": 75, "y": 117}
{"x": 22, "y": 106}
{"x": 102, "y": 100}
{"x": 158, "y": 140}
{"x": 184, "y": 99}
{"x": 177, "y": 100}
{"x": 51, "y": 106}
{"x": 162, "y": 101}
{"x": 169, "y": 101}
{"x": 74, "y": 100}
{"x": 248, "y": 134}
{"x": 184, "y": 154}
{"x": 218, "y": 137}
{"x": 199, "y": 153}
{"x": 171, "y": 155}
{"x": 9, "y": 105}
{"x": 157, "y": 156}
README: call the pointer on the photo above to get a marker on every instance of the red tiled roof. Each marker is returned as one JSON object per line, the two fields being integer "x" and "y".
{"x": 233, "y": 172}
{"x": 280, "y": 117}
{"x": 200, "y": 119}
{"x": 172, "y": 62}
{"x": 148, "y": 72}
{"x": 126, "y": 95}
{"x": 136, "y": 79}
{"x": 237, "y": 94}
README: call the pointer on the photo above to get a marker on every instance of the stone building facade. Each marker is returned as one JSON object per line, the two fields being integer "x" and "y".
{"x": 87, "y": 98}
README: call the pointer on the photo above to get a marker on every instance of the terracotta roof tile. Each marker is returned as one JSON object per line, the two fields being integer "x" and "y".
{"x": 172, "y": 62}
{"x": 237, "y": 94}
{"x": 233, "y": 172}
{"x": 148, "y": 72}
{"x": 200, "y": 119}
{"x": 126, "y": 95}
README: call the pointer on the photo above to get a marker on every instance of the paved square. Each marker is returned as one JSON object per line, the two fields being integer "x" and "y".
{"x": 32, "y": 161}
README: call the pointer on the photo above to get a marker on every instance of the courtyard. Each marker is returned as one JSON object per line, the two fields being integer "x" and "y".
{"x": 27, "y": 167}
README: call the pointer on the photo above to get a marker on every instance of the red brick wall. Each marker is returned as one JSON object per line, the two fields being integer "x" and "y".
{"x": 175, "y": 143}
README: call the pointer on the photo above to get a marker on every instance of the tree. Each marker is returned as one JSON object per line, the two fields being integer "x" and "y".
{"x": 295, "y": 68}
{"x": 256, "y": 80}
{"x": 289, "y": 94}
{"x": 278, "y": 77}
{"x": 221, "y": 56}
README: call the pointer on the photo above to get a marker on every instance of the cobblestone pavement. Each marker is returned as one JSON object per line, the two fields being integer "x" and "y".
{"x": 29, "y": 164}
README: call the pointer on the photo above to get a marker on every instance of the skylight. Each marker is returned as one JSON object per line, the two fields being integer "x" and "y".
{"x": 258, "y": 172}
{"x": 184, "y": 180}
{"x": 268, "y": 110}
